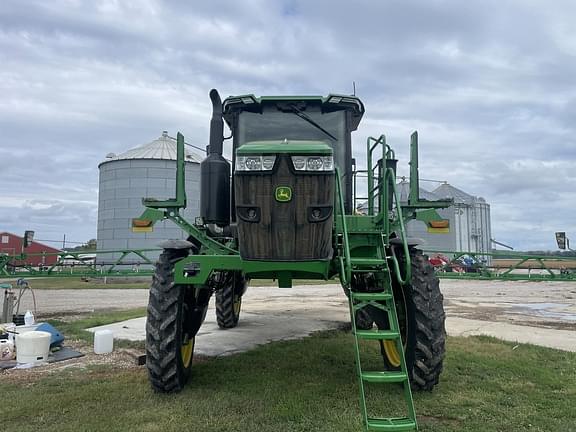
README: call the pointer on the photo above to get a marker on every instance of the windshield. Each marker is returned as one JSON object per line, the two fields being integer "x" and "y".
{"x": 273, "y": 124}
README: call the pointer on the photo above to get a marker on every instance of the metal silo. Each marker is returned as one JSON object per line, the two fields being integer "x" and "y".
{"x": 481, "y": 229}
{"x": 146, "y": 171}
{"x": 471, "y": 220}
{"x": 433, "y": 239}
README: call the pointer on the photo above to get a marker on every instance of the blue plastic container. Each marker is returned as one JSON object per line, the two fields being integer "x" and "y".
{"x": 56, "y": 338}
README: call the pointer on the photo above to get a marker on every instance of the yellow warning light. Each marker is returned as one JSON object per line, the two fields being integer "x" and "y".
{"x": 142, "y": 225}
{"x": 439, "y": 226}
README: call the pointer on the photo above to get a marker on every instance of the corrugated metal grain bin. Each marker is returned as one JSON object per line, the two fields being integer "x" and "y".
{"x": 469, "y": 221}
{"x": 146, "y": 171}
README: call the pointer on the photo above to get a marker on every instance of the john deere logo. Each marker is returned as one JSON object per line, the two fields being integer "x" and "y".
{"x": 283, "y": 194}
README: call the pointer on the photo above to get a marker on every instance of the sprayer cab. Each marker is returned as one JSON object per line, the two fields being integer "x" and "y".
{"x": 282, "y": 193}
{"x": 272, "y": 128}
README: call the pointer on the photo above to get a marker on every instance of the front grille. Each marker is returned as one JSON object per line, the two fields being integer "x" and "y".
{"x": 296, "y": 230}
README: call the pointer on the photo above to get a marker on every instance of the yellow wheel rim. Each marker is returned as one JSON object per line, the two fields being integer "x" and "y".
{"x": 186, "y": 352}
{"x": 237, "y": 305}
{"x": 390, "y": 349}
{"x": 392, "y": 353}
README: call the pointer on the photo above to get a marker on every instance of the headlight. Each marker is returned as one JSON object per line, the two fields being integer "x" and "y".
{"x": 268, "y": 162}
{"x": 255, "y": 163}
{"x": 313, "y": 163}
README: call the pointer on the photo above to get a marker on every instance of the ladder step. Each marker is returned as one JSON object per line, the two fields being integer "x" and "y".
{"x": 364, "y": 262}
{"x": 367, "y": 296}
{"x": 377, "y": 334}
{"x": 384, "y": 377}
{"x": 391, "y": 424}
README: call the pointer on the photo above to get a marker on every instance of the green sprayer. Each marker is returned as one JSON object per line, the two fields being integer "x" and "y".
{"x": 286, "y": 208}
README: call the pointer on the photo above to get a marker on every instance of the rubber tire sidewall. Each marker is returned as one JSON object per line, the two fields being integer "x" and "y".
{"x": 425, "y": 340}
{"x": 166, "y": 370}
{"x": 226, "y": 316}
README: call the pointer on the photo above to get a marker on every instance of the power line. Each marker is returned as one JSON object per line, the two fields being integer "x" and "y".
{"x": 196, "y": 147}
{"x": 58, "y": 241}
{"x": 190, "y": 145}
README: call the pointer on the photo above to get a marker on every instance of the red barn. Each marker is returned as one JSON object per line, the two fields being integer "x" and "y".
{"x": 37, "y": 253}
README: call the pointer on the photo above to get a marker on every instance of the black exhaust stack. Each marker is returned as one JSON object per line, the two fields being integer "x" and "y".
{"x": 215, "y": 172}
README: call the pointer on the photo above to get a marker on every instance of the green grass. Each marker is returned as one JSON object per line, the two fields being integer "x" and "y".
{"x": 306, "y": 385}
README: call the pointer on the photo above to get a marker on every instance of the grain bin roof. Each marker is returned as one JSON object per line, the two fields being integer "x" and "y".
{"x": 404, "y": 191}
{"x": 448, "y": 191}
{"x": 163, "y": 148}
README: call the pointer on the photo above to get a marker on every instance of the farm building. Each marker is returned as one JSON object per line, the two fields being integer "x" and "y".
{"x": 37, "y": 253}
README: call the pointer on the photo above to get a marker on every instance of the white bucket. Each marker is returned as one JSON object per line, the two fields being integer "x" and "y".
{"x": 23, "y": 329}
{"x": 103, "y": 341}
{"x": 32, "y": 347}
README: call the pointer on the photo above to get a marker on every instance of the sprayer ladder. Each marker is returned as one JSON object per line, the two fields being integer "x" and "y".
{"x": 383, "y": 300}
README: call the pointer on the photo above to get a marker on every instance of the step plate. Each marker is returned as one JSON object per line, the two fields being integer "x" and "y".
{"x": 377, "y": 334}
{"x": 384, "y": 377}
{"x": 391, "y": 424}
{"x": 371, "y": 296}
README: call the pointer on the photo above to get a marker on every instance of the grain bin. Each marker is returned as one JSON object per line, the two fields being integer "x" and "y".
{"x": 126, "y": 178}
{"x": 432, "y": 240}
{"x": 469, "y": 221}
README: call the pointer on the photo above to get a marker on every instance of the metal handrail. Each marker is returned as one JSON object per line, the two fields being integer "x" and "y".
{"x": 345, "y": 265}
{"x": 391, "y": 178}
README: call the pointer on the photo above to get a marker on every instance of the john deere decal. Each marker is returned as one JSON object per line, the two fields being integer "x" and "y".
{"x": 283, "y": 194}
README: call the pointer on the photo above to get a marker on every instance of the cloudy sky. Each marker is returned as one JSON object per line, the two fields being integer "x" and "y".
{"x": 489, "y": 85}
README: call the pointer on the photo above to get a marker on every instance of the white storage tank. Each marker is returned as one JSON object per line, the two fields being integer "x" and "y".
{"x": 146, "y": 171}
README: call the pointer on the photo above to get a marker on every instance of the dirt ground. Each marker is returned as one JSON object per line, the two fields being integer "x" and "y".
{"x": 538, "y": 304}
{"x": 121, "y": 359}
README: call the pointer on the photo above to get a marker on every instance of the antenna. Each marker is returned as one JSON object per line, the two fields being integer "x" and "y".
{"x": 354, "y": 88}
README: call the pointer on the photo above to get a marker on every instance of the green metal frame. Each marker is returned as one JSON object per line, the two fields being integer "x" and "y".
{"x": 12, "y": 266}
{"x": 366, "y": 246}
{"x": 514, "y": 271}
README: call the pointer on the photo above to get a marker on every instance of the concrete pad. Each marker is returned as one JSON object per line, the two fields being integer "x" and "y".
{"x": 253, "y": 329}
{"x": 132, "y": 329}
{"x": 268, "y": 314}
{"x": 551, "y": 338}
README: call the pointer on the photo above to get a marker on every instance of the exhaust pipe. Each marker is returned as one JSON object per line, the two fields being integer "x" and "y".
{"x": 215, "y": 172}
{"x": 216, "y": 124}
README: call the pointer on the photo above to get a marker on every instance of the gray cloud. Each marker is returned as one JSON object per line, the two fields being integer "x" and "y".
{"x": 489, "y": 86}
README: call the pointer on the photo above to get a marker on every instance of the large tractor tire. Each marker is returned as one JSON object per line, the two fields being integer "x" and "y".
{"x": 231, "y": 286}
{"x": 175, "y": 313}
{"x": 422, "y": 325}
